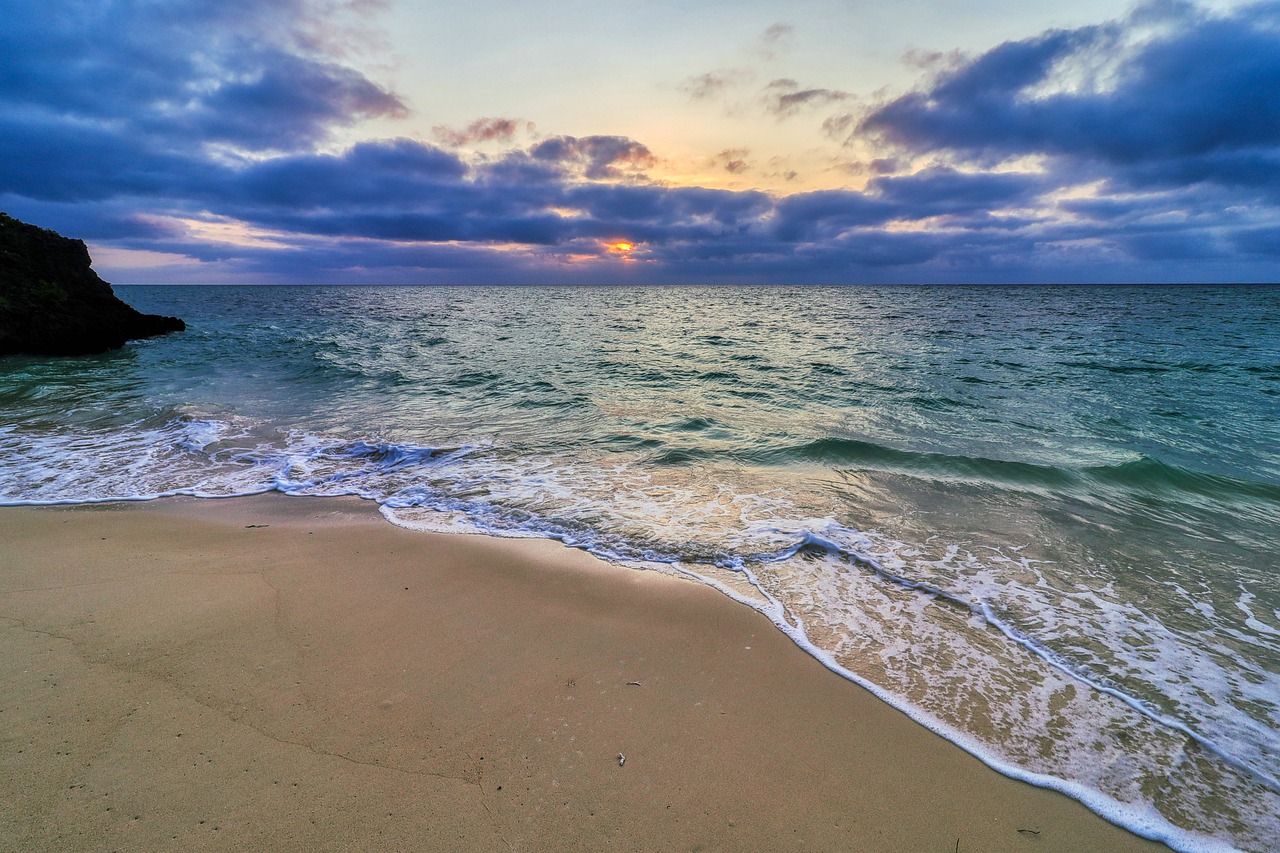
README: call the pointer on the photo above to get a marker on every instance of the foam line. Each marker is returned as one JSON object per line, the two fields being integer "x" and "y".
{"x": 1145, "y": 822}
{"x": 290, "y": 472}
{"x": 172, "y": 493}
{"x": 982, "y": 608}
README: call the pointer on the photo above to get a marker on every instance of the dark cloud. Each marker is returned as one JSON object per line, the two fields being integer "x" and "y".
{"x": 278, "y": 101}
{"x": 370, "y": 174}
{"x": 1194, "y": 101}
{"x": 685, "y": 210}
{"x": 884, "y": 165}
{"x": 826, "y": 214}
{"x": 1142, "y": 149}
{"x": 1171, "y": 245}
{"x": 67, "y": 159}
{"x": 598, "y": 157}
{"x": 940, "y": 190}
{"x": 233, "y": 73}
{"x": 1258, "y": 241}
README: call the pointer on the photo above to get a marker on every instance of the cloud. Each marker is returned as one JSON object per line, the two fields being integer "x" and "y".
{"x": 241, "y": 74}
{"x": 941, "y": 190}
{"x": 827, "y": 214}
{"x": 597, "y": 157}
{"x": 840, "y": 126}
{"x": 931, "y": 60}
{"x": 369, "y": 174}
{"x": 275, "y": 100}
{"x": 715, "y": 84}
{"x": 777, "y": 37}
{"x": 482, "y": 130}
{"x": 1263, "y": 241}
{"x": 1183, "y": 95}
{"x": 68, "y": 159}
{"x": 206, "y": 134}
{"x": 778, "y": 32}
{"x": 732, "y": 160}
{"x": 875, "y": 166}
{"x": 725, "y": 83}
{"x": 784, "y": 97}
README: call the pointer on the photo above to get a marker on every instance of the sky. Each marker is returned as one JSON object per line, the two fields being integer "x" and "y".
{"x": 565, "y": 141}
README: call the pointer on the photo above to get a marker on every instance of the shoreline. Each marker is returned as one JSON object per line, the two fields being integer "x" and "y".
{"x": 298, "y": 673}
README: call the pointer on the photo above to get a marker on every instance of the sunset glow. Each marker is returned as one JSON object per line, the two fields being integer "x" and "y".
{"x": 843, "y": 143}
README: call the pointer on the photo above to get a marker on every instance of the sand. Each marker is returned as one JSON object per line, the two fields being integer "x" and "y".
{"x": 285, "y": 674}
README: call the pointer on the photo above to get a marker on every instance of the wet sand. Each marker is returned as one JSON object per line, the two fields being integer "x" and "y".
{"x": 278, "y": 673}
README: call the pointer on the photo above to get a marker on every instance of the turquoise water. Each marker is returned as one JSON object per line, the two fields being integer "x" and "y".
{"x": 1040, "y": 520}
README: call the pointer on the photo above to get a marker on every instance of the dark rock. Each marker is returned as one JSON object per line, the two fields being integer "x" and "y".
{"x": 53, "y": 303}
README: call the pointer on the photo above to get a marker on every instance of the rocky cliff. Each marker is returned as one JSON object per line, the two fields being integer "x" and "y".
{"x": 53, "y": 303}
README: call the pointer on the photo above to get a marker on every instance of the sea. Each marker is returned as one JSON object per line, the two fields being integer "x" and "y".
{"x": 1041, "y": 521}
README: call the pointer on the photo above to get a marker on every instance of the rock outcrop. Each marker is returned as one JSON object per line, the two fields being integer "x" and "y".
{"x": 53, "y": 303}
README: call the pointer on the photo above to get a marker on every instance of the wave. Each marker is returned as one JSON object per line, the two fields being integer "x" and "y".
{"x": 1122, "y": 369}
{"x": 1144, "y": 473}
{"x": 1149, "y": 474}
{"x": 1141, "y": 819}
{"x": 474, "y": 488}
{"x": 846, "y": 452}
{"x": 984, "y": 610}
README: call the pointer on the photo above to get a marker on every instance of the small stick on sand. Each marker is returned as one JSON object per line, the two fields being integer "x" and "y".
{"x": 633, "y": 684}
{"x": 622, "y": 759}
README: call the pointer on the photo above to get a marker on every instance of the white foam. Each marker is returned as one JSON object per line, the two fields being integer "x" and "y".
{"x": 1141, "y": 820}
{"x": 628, "y": 516}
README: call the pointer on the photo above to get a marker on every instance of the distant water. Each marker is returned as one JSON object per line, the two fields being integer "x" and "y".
{"x": 1043, "y": 521}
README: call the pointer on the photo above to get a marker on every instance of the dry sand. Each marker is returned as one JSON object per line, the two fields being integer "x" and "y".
{"x": 176, "y": 677}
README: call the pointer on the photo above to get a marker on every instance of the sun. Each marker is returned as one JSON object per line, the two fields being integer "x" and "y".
{"x": 621, "y": 247}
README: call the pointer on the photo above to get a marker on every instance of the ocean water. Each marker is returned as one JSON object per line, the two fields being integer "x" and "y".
{"x": 1042, "y": 521}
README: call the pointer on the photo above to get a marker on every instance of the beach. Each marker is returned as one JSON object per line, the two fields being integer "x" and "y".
{"x": 830, "y": 426}
{"x": 298, "y": 674}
